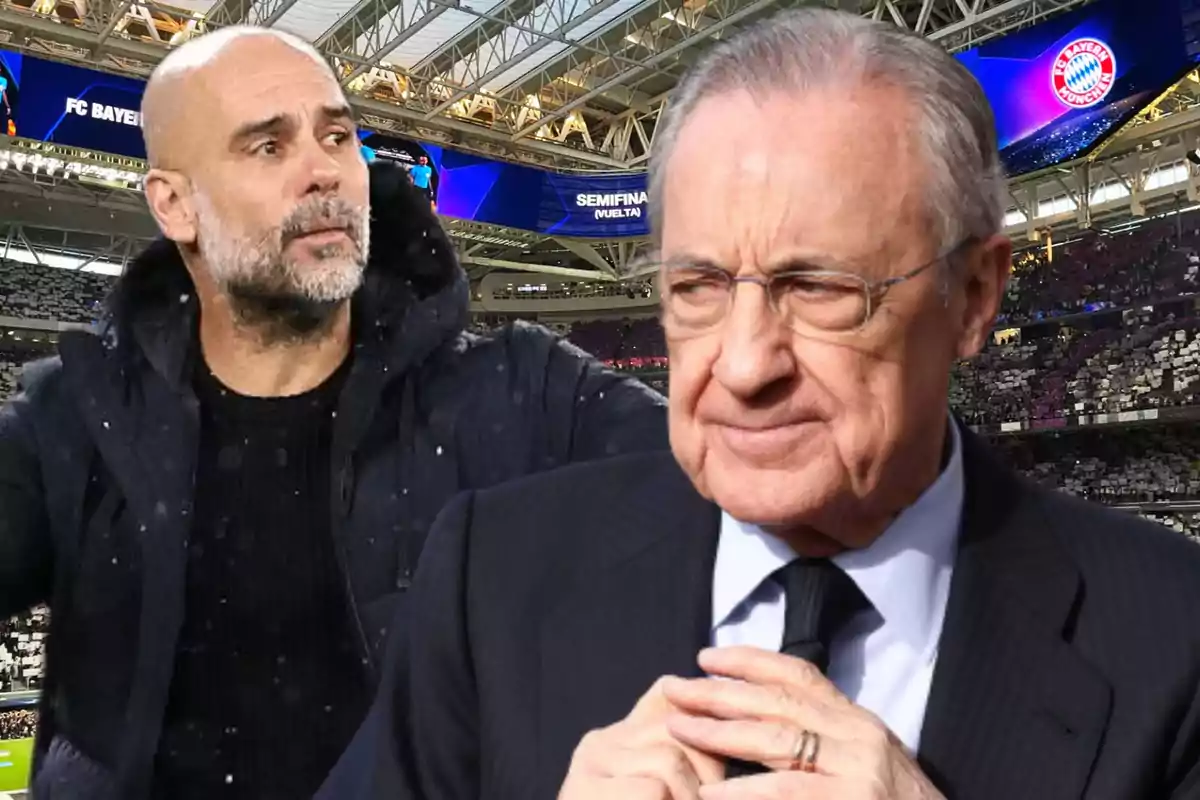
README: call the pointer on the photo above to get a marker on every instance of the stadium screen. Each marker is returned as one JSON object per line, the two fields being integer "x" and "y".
{"x": 516, "y": 196}
{"x": 1063, "y": 86}
{"x": 10, "y": 91}
{"x": 69, "y": 105}
{"x": 1058, "y": 89}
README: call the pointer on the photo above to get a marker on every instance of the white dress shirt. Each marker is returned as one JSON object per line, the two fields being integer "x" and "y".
{"x": 884, "y": 659}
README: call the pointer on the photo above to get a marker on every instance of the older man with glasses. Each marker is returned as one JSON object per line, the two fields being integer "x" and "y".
{"x": 832, "y": 589}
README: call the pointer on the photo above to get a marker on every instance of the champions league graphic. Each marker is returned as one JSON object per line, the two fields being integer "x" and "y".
{"x": 613, "y": 205}
{"x": 1061, "y": 87}
{"x": 1084, "y": 73}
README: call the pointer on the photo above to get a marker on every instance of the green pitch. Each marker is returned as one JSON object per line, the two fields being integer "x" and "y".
{"x": 16, "y": 756}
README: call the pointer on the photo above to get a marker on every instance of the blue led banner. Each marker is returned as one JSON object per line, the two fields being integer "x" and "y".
{"x": 70, "y": 105}
{"x": 1058, "y": 89}
{"x": 84, "y": 108}
{"x": 574, "y": 205}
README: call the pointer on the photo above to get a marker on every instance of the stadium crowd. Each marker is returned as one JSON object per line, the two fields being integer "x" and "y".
{"x": 1115, "y": 466}
{"x": 1120, "y": 361}
{"x": 11, "y": 362}
{"x": 29, "y": 291}
{"x": 1187, "y": 523}
{"x": 1155, "y": 261}
{"x": 1109, "y": 325}
{"x": 21, "y": 643}
{"x": 17, "y": 723}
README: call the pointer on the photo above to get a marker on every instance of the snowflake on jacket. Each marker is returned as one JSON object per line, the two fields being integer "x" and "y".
{"x": 96, "y": 480}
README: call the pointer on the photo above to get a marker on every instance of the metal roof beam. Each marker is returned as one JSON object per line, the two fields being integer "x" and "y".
{"x": 453, "y": 95}
{"x": 521, "y": 266}
{"x": 510, "y": 19}
{"x": 36, "y": 33}
{"x": 422, "y": 91}
{"x": 86, "y": 37}
{"x": 654, "y": 33}
{"x": 393, "y": 111}
{"x": 958, "y": 25}
{"x": 263, "y": 13}
{"x": 228, "y": 12}
{"x": 588, "y": 253}
{"x": 730, "y": 13}
{"x": 118, "y": 14}
{"x": 267, "y": 12}
{"x": 628, "y": 40}
{"x": 1143, "y": 152}
{"x": 512, "y": 108}
{"x": 382, "y": 25}
{"x": 503, "y": 56}
{"x": 447, "y": 53}
{"x": 631, "y": 98}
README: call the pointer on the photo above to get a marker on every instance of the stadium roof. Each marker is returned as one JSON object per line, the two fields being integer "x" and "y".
{"x": 575, "y": 84}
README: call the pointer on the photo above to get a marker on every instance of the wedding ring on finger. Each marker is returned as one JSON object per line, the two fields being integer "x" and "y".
{"x": 805, "y": 757}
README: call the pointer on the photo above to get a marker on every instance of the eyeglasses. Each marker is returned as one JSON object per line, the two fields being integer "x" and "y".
{"x": 697, "y": 298}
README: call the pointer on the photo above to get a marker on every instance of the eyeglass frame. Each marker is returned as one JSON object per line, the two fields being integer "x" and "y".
{"x": 873, "y": 291}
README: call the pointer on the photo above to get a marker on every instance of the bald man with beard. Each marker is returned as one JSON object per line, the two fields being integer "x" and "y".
{"x": 223, "y": 490}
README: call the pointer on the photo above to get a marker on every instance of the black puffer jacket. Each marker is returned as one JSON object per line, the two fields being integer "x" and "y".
{"x": 96, "y": 473}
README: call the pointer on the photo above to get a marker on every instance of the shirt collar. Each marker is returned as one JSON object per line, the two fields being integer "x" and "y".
{"x": 905, "y": 573}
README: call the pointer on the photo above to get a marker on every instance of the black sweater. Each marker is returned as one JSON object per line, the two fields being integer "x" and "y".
{"x": 268, "y": 684}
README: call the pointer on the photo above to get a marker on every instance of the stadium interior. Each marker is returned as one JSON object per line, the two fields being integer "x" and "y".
{"x": 1091, "y": 383}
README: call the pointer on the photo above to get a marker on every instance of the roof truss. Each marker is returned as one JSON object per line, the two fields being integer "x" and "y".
{"x": 1143, "y": 171}
{"x": 572, "y": 84}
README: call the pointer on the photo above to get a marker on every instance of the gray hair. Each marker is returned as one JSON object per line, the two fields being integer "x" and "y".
{"x": 804, "y": 49}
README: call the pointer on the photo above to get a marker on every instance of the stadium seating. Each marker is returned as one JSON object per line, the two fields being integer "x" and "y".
{"x": 1097, "y": 272}
{"x": 1109, "y": 325}
{"x": 1146, "y": 359}
{"x": 34, "y": 292}
{"x": 635, "y": 343}
{"x": 1113, "y": 466}
{"x": 21, "y": 650}
{"x": 1106, "y": 361}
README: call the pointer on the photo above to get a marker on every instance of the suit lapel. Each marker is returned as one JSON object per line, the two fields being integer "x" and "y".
{"x": 640, "y": 608}
{"x": 1013, "y": 711}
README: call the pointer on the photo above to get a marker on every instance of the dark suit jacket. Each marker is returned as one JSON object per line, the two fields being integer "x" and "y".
{"x": 1069, "y": 664}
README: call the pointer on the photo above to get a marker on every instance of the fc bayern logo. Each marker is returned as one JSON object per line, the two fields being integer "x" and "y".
{"x": 1084, "y": 73}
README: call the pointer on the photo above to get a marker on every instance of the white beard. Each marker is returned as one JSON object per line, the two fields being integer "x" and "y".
{"x": 236, "y": 260}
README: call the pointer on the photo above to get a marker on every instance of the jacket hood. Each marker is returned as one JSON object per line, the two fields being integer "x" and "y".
{"x": 414, "y": 295}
